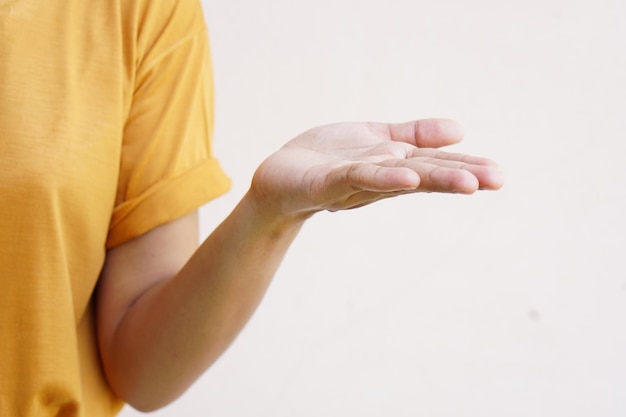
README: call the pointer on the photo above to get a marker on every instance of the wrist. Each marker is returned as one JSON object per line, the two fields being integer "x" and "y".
{"x": 269, "y": 214}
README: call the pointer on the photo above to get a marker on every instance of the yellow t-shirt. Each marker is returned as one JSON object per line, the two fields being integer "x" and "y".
{"x": 105, "y": 124}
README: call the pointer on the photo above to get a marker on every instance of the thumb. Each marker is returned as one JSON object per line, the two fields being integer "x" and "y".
{"x": 427, "y": 133}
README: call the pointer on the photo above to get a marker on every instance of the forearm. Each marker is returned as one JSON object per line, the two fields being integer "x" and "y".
{"x": 180, "y": 326}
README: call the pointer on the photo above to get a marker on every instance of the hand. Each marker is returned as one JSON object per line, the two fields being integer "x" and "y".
{"x": 347, "y": 165}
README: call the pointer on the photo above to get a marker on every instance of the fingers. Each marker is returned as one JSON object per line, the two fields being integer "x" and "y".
{"x": 426, "y": 133}
{"x": 435, "y": 133}
{"x": 401, "y": 175}
{"x": 452, "y": 172}
{"x": 486, "y": 171}
{"x": 458, "y": 174}
{"x": 361, "y": 183}
{"x": 377, "y": 178}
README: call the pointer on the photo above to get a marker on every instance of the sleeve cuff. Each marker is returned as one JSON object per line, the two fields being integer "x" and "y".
{"x": 167, "y": 201}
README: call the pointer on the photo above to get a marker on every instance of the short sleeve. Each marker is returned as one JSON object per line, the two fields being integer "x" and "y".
{"x": 167, "y": 168}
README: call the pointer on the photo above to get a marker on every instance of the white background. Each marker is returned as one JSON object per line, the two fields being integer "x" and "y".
{"x": 509, "y": 303}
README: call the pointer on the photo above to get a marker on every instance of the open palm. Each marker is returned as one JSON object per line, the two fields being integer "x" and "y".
{"x": 347, "y": 165}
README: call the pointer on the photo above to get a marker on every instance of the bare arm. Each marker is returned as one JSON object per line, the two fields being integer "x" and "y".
{"x": 161, "y": 326}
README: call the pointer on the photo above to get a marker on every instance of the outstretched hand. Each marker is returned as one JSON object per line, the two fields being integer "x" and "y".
{"x": 347, "y": 165}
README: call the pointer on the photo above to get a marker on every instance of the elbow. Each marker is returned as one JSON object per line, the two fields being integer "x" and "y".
{"x": 145, "y": 406}
{"x": 144, "y": 392}
{"x": 146, "y": 399}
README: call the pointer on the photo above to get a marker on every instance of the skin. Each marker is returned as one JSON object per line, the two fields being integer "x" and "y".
{"x": 167, "y": 309}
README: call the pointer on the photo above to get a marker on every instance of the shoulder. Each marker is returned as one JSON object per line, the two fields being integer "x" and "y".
{"x": 153, "y": 27}
{"x": 169, "y": 19}
{"x": 161, "y": 7}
